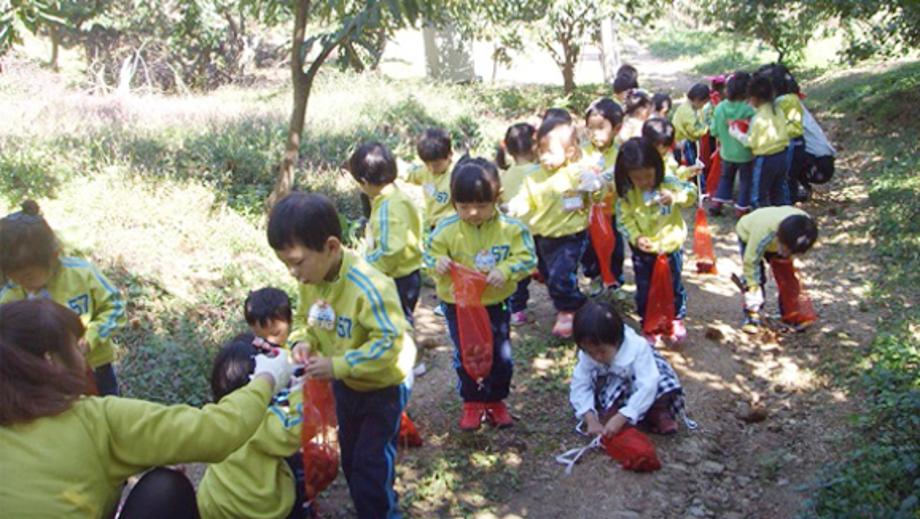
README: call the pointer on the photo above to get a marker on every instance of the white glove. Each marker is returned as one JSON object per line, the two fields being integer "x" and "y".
{"x": 753, "y": 300}
{"x": 738, "y": 134}
{"x": 278, "y": 366}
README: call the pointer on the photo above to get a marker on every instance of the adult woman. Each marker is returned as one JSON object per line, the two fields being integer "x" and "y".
{"x": 68, "y": 455}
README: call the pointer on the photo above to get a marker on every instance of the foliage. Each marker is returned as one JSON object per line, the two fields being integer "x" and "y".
{"x": 877, "y": 28}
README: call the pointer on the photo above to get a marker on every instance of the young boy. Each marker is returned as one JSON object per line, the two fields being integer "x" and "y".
{"x": 268, "y": 314}
{"x": 771, "y": 231}
{"x": 394, "y": 232}
{"x": 349, "y": 328}
{"x": 434, "y": 149}
{"x": 688, "y": 122}
{"x": 660, "y": 133}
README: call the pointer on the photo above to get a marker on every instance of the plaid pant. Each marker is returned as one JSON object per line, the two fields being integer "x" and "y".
{"x": 612, "y": 392}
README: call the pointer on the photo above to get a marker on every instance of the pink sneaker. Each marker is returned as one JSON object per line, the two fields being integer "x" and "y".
{"x": 563, "y": 326}
{"x": 679, "y": 333}
{"x": 519, "y": 318}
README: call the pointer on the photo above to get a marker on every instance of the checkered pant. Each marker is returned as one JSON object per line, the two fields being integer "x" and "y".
{"x": 612, "y": 392}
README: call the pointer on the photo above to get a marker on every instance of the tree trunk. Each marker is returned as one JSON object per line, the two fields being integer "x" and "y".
{"x": 55, "y": 46}
{"x": 570, "y": 52}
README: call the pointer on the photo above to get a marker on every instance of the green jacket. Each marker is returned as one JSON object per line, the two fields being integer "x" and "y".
{"x": 730, "y": 148}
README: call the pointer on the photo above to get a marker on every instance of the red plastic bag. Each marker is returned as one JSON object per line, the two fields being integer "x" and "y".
{"x": 795, "y": 303}
{"x": 742, "y": 125}
{"x": 715, "y": 172}
{"x": 408, "y": 433}
{"x": 473, "y": 323}
{"x": 705, "y": 150}
{"x": 603, "y": 241}
{"x": 659, "y": 310}
{"x": 702, "y": 244}
{"x": 318, "y": 437}
{"x": 634, "y": 450}
{"x": 91, "y": 389}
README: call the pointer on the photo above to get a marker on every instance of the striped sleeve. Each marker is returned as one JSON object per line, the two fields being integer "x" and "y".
{"x": 523, "y": 257}
{"x": 108, "y": 305}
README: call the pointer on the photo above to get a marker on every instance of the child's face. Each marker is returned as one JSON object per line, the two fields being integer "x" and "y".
{"x": 643, "y": 178}
{"x": 475, "y": 213}
{"x": 371, "y": 190}
{"x": 783, "y": 250}
{"x": 275, "y": 331}
{"x": 662, "y": 149}
{"x": 312, "y": 267}
{"x": 31, "y": 279}
{"x": 600, "y": 131}
{"x": 698, "y": 104}
{"x": 600, "y": 353}
{"x": 663, "y": 113}
{"x": 556, "y": 148}
{"x": 439, "y": 166}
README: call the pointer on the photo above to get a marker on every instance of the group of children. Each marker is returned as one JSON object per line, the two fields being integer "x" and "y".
{"x": 510, "y": 220}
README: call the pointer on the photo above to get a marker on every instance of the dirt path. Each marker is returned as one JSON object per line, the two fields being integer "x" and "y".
{"x": 734, "y": 466}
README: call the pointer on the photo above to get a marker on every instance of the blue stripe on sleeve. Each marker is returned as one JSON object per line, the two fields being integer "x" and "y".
{"x": 380, "y": 346}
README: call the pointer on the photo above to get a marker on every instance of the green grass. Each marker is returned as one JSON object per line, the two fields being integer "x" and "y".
{"x": 880, "y": 476}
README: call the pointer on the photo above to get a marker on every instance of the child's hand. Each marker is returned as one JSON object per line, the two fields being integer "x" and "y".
{"x": 442, "y": 267}
{"x": 300, "y": 352}
{"x": 319, "y": 367}
{"x": 645, "y": 245}
{"x": 593, "y": 425}
{"x": 83, "y": 346}
{"x": 665, "y": 197}
{"x": 496, "y": 278}
{"x": 614, "y": 425}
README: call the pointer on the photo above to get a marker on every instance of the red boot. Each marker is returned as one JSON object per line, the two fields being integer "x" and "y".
{"x": 498, "y": 414}
{"x": 472, "y": 415}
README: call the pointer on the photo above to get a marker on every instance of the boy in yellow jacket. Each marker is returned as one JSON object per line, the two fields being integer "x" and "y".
{"x": 349, "y": 327}
{"x": 394, "y": 232}
{"x": 435, "y": 151}
{"x": 30, "y": 257}
{"x": 689, "y": 123}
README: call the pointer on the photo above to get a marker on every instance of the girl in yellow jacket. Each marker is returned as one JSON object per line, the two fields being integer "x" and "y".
{"x": 30, "y": 256}
{"x": 479, "y": 237}
{"x": 66, "y": 455}
{"x": 648, "y": 215}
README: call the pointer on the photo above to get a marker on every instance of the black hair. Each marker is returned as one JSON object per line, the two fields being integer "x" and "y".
{"x": 635, "y": 101}
{"x": 783, "y": 81}
{"x": 557, "y": 113}
{"x": 698, "y": 92}
{"x": 473, "y": 181}
{"x": 636, "y": 153}
{"x": 762, "y": 88}
{"x": 518, "y": 141}
{"x": 373, "y": 163}
{"x": 233, "y": 365}
{"x": 627, "y": 78}
{"x": 434, "y": 144}
{"x": 658, "y": 131}
{"x": 267, "y": 304}
{"x": 302, "y": 218}
{"x": 598, "y": 323}
{"x": 798, "y": 232}
{"x": 660, "y": 99}
{"x": 737, "y": 87}
{"x": 26, "y": 240}
{"x": 551, "y": 123}
{"x": 606, "y": 108}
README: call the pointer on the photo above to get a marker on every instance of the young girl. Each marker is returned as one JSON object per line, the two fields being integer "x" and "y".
{"x": 30, "y": 257}
{"x": 660, "y": 133}
{"x": 648, "y": 213}
{"x": 620, "y": 379}
{"x": 637, "y": 108}
{"x": 481, "y": 238}
{"x": 661, "y": 105}
{"x": 519, "y": 143}
{"x": 736, "y": 157}
{"x": 788, "y": 101}
{"x": 603, "y": 120}
{"x": 626, "y": 79}
{"x": 768, "y": 139}
{"x": 257, "y": 480}
{"x": 556, "y": 209}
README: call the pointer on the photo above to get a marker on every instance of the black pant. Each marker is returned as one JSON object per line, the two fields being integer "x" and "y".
{"x": 409, "y": 288}
{"x": 498, "y": 384}
{"x": 161, "y": 493}
{"x": 106, "y": 382}
{"x": 368, "y": 428}
{"x": 559, "y": 267}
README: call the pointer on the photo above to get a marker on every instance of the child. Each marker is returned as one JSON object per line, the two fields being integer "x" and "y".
{"x": 788, "y": 101}
{"x": 603, "y": 120}
{"x": 737, "y": 159}
{"x": 557, "y": 212}
{"x": 688, "y": 123}
{"x": 394, "y": 232}
{"x": 268, "y": 314}
{"x": 620, "y": 379}
{"x": 434, "y": 149}
{"x": 258, "y": 479}
{"x": 637, "y": 107}
{"x": 765, "y": 233}
{"x": 648, "y": 213}
{"x": 30, "y": 256}
{"x": 481, "y": 238}
{"x": 519, "y": 143}
{"x": 349, "y": 328}
{"x": 661, "y": 105}
{"x": 626, "y": 79}
{"x": 660, "y": 133}
{"x": 767, "y": 138}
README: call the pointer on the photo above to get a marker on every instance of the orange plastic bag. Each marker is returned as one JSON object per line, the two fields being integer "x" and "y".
{"x": 659, "y": 310}
{"x": 408, "y": 433}
{"x": 603, "y": 241}
{"x": 91, "y": 388}
{"x": 634, "y": 450}
{"x": 318, "y": 437}
{"x": 714, "y": 173}
{"x": 473, "y": 323}
{"x": 795, "y": 303}
{"x": 702, "y": 244}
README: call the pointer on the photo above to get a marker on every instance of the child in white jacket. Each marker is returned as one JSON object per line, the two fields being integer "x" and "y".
{"x": 620, "y": 378}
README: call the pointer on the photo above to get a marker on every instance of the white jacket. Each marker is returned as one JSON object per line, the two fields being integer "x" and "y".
{"x": 634, "y": 358}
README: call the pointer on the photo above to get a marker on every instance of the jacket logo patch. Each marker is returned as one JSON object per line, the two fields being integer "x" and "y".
{"x": 79, "y": 304}
{"x": 343, "y": 327}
